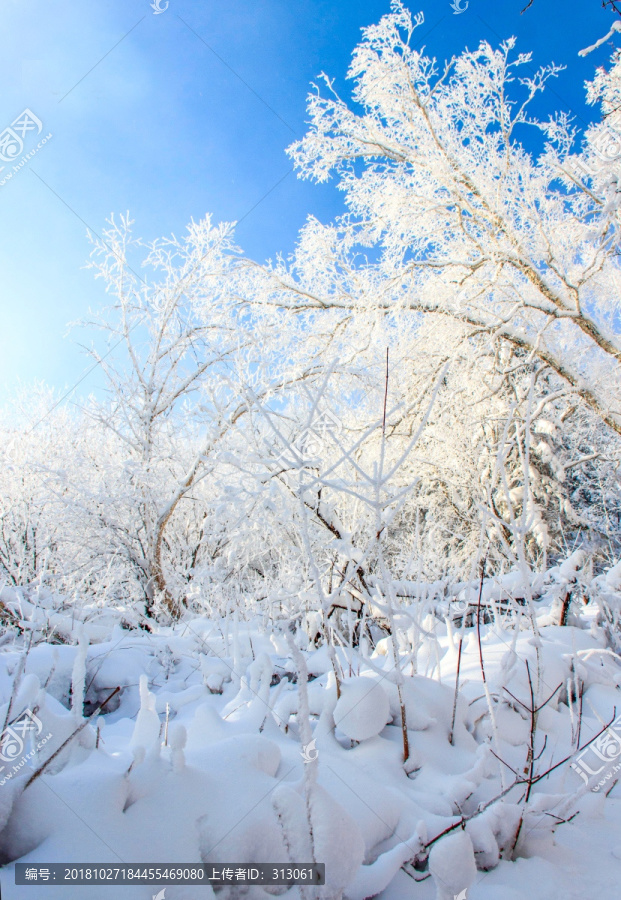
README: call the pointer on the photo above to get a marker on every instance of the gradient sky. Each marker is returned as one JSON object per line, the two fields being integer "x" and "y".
{"x": 175, "y": 115}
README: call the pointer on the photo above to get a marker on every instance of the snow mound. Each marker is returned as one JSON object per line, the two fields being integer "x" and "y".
{"x": 362, "y": 710}
{"x": 452, "y": 865}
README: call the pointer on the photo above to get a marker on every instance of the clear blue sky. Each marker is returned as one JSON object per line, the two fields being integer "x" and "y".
{"x": 190, "y": 113}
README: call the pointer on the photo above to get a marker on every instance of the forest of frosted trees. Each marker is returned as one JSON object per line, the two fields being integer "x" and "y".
{"x": 364, "y": 499}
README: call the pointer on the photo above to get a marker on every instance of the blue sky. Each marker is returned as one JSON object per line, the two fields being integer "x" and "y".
{"x": 175, "y": 115}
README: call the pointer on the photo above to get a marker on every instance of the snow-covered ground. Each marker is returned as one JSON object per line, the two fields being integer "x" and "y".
{"x": 217, "y": 749}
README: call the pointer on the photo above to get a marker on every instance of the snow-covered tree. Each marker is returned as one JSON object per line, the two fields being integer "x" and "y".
{"x": 37, "y": 437}
{"x": 186, "y": 359}
{"x": 466, "y": 221}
